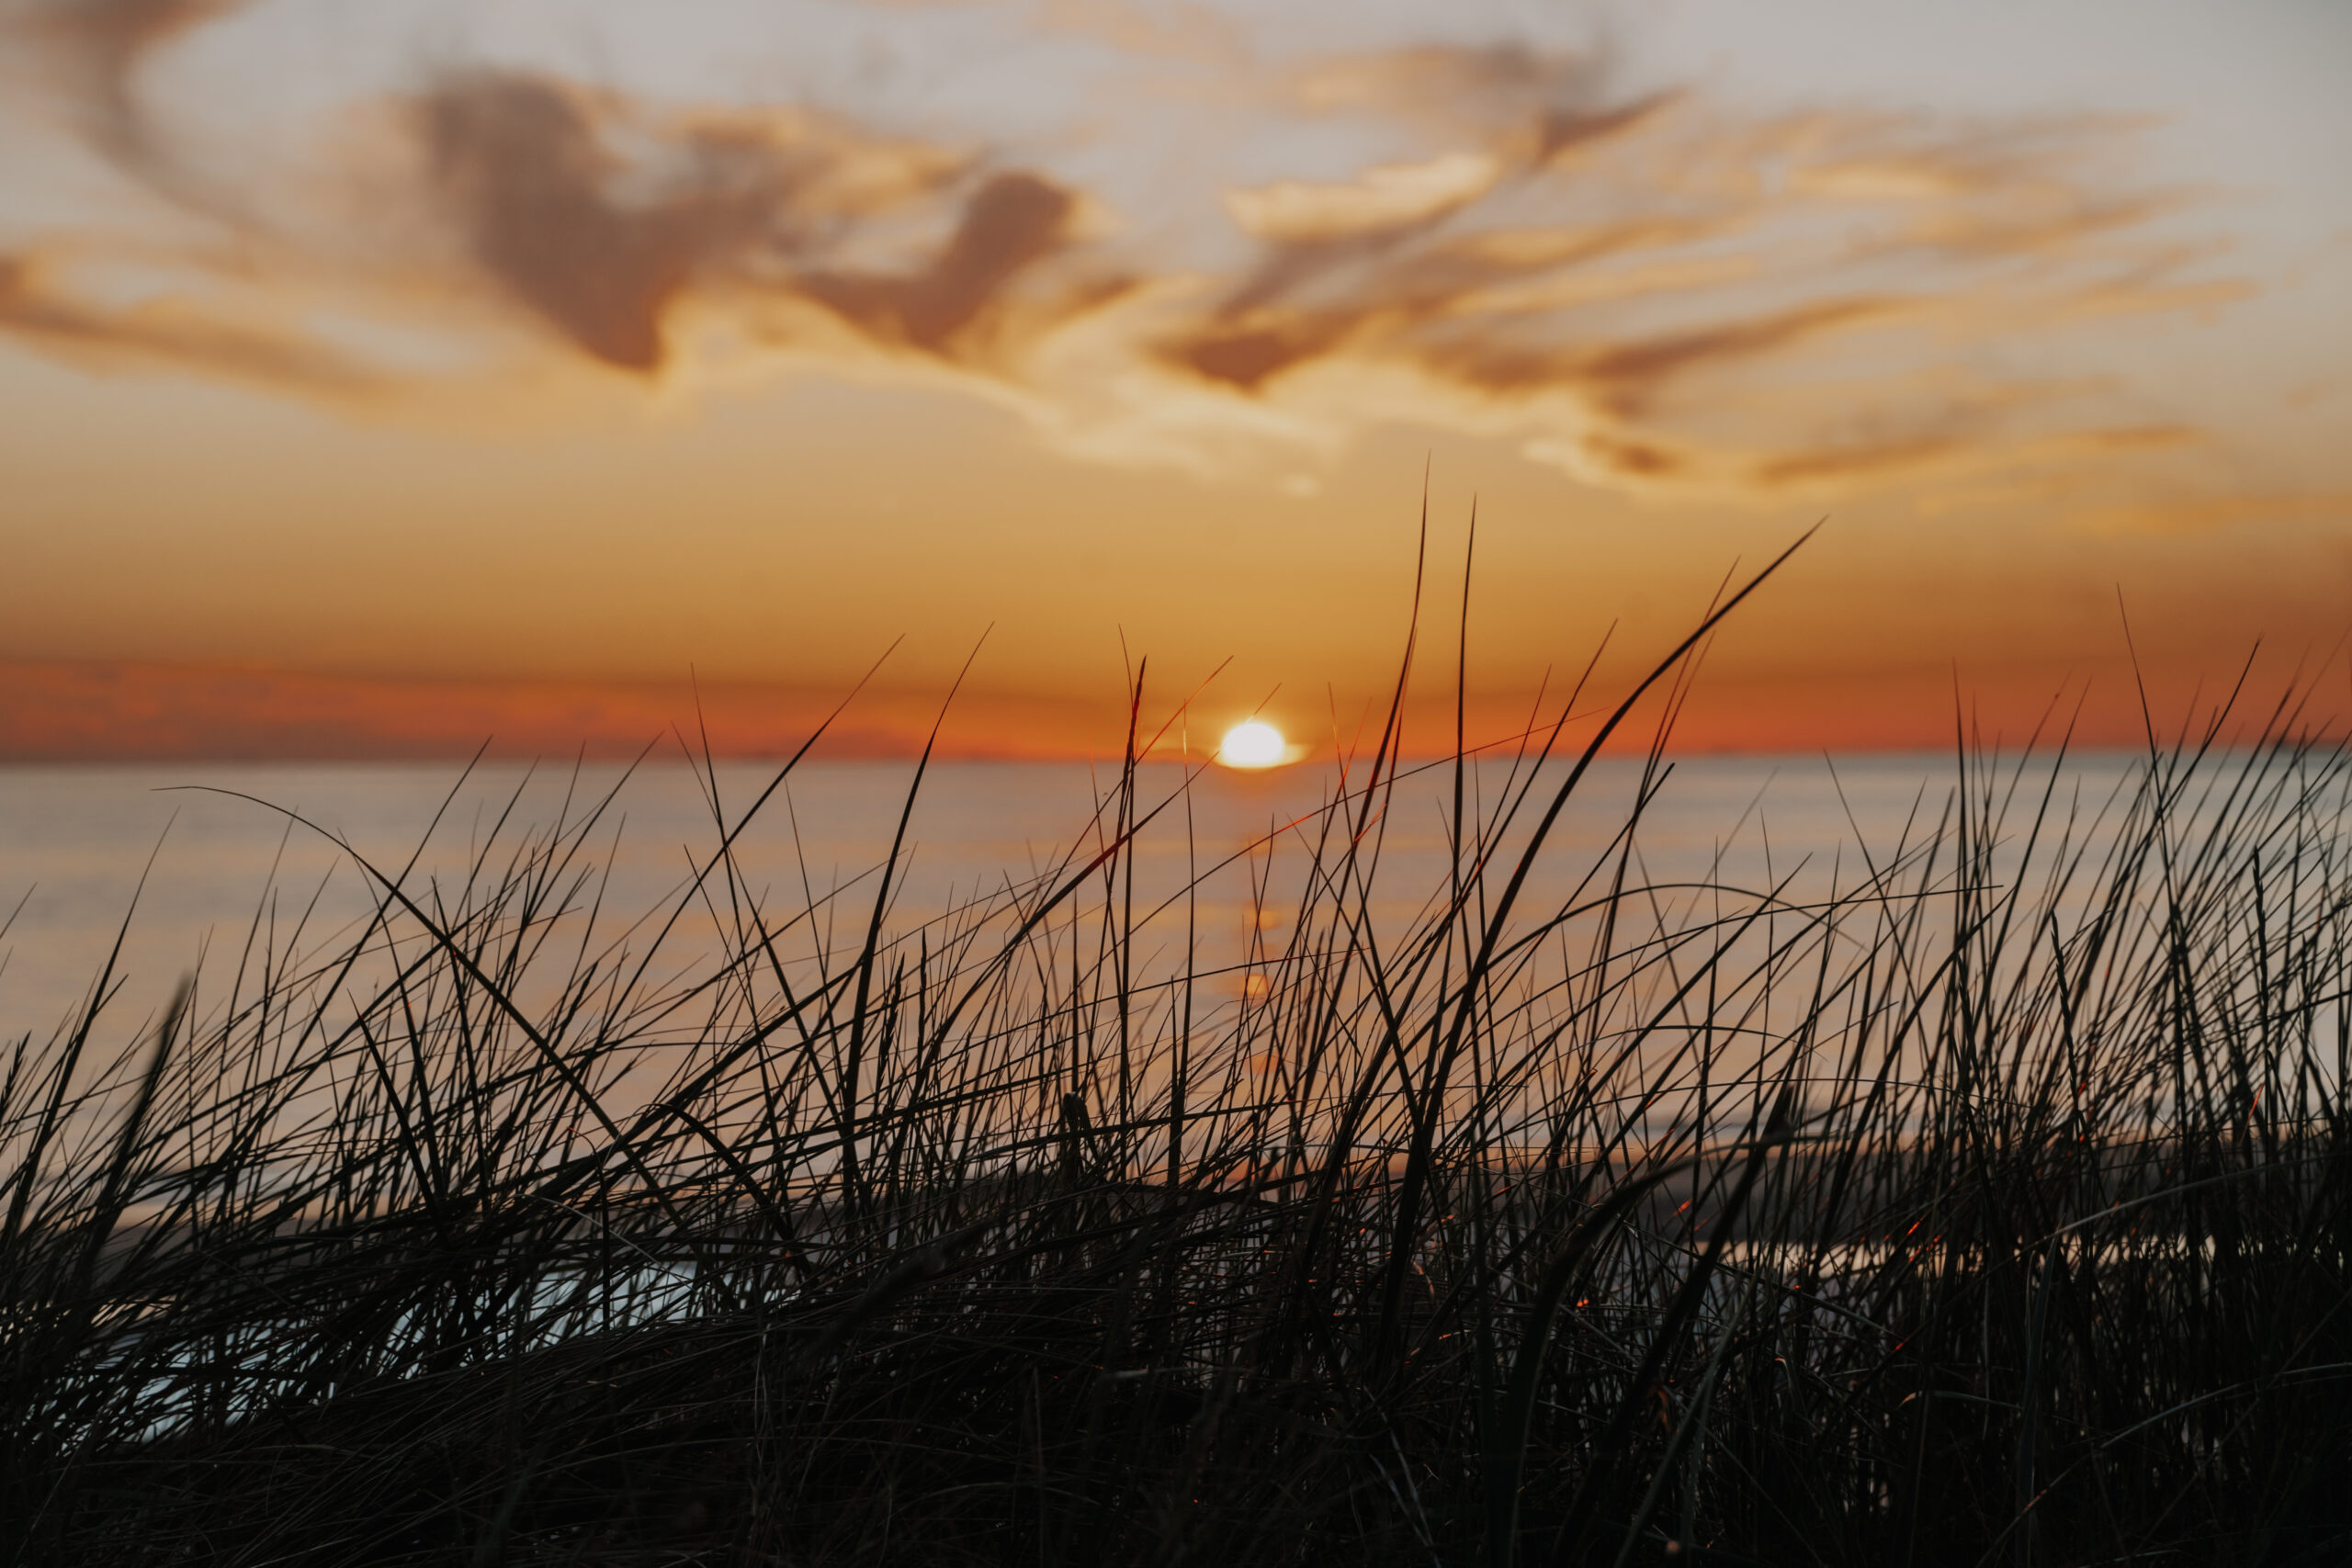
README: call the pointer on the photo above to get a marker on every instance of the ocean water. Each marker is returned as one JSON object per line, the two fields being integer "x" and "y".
{"x": 190, "y": 866}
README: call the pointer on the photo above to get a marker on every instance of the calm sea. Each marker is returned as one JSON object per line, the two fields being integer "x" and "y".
{"x": 184, "y": 876}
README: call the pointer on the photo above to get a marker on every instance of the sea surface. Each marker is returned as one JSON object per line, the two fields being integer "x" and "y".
{"x": 190, "y": 866}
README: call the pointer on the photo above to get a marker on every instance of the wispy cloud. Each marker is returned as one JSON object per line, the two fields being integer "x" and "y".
{"x": 1649, "y": 289}
{"x": 1614, "y": 276}
{"x": 588, "y": 212}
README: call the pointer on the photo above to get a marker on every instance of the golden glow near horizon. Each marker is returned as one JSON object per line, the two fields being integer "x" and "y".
{"x": 376, "y": 378}
{"x": 1253, "y": 743}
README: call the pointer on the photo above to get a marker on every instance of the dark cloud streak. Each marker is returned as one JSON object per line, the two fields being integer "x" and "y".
{"x": 531, "y": 180}
{"x": 100, "y": 48}
{"x": 528, "y": 182}
{"x": 1011, "y": 223}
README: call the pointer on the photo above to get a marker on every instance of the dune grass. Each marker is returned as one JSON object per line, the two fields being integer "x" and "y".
{"x": 1979, "y": 1201}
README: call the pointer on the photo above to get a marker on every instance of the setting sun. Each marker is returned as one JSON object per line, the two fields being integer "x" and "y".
{"x": 1252, "y": 744}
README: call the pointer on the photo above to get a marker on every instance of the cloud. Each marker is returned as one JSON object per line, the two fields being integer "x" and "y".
{"x": 528, "y": 178}
{"x": 102, "y": 44}
{"x": 1386, "y": 196}
{"x": 592, "y": 215}
{"x": 1648, "y": 290}
{"x": 97, "y": 49}
{"x": 1011, "y": 222}
{"x": 1625, "y": 281}
{"x": 600, "y": 247}
{"x": 38, "y": 304}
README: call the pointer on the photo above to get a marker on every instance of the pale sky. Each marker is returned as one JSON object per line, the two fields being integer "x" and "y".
{"x": 373, "y": 378}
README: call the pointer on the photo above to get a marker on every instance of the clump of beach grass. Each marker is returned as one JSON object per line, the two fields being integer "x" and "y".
{"x": 1982, "y": 1204}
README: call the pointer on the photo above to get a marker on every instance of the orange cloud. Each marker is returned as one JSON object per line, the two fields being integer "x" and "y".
{"x": 1656, "y": 295}
{"x": 1386, "y": 196}
{"x": 1616, "y": 276}
{"x": 39, "y": 302}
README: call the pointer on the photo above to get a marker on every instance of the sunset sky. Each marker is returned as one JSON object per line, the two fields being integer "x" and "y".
{"x": 376, "y": 378}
